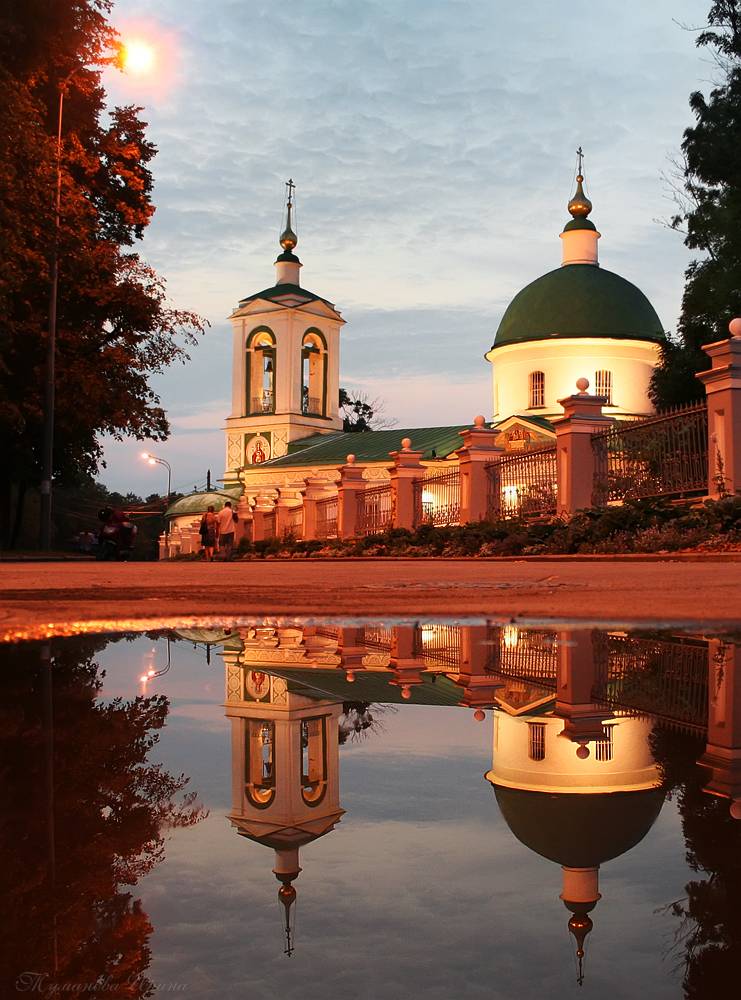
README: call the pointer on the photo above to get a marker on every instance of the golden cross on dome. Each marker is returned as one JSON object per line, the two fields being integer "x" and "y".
{"x": 290, "y": 188}
{"x": 580, "y": 157}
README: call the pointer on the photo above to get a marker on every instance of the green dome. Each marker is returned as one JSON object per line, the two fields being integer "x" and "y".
{"x": 579, "y": 830}
{"x": 198, "y": 503}
{"x": 579, "y": 300}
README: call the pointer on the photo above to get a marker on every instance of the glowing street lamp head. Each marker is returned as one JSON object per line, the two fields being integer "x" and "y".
{"x": 151, "y": 461}
{"x": 145, "y": 456}
{"x": 137, "y": 57}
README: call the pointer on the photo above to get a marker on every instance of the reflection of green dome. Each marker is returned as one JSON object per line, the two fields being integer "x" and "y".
{"x": 579, "y": 830}
{"x": 579, "y": 300}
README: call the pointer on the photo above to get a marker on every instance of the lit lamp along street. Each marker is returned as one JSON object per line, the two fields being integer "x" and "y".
{"x": 134, "y": 57}
{"x": 156, "y": 460}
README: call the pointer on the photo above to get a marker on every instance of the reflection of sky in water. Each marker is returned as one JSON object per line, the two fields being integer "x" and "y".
{"x": 421, "y": 890}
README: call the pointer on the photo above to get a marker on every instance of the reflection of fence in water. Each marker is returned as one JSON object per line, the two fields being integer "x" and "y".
{"x": 667, "y": 680}
{"x": 522, "y": 485}
{"x": 375, "y": 510}
{"x": 378, "y": 636}
{"x": 438, "y": 645}
{"x": 326, "y": 518}
{"x": 665, "y": 455}
{"x": 656, "y": 677}
{"x": 437, "y": 499}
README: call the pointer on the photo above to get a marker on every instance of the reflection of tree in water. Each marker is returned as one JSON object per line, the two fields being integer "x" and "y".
{"x": 709, "y": 933}
{"x": 360, "y": 719}
{"x": 84, "y": 814}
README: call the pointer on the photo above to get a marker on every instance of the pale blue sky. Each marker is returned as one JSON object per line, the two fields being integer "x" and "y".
{"x": 433, "y": 148}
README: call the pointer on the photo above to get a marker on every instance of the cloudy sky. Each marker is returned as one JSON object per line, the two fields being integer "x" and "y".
{"x": 432, "y": 142}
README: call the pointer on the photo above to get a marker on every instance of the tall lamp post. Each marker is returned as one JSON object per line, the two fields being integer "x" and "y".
{"x": 137, "y": 57}
{"x": 156, "y": 460}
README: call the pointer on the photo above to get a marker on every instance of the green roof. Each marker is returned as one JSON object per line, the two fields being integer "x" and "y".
{"x": 579, "y": 830}
{"x": 369, "y": 446}
{"x": 369, "y": 685}
{"x": 579, "y": 300}
{"x": 579, "y": 223}
{"x": 277, "y": 291}
{"x": 199, "y": 502}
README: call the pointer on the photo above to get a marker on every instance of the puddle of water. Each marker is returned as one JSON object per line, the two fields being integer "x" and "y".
{"x": 398, "y": 809}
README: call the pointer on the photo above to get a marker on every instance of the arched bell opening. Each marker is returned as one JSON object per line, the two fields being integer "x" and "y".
{"x": 313, "y": 374}
{"x": 260, "y": 762}
{"x": 313, "y": 760}
{"x": 260, "y": 368}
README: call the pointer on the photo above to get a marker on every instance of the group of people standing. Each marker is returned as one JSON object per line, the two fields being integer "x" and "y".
{"x": 217, "y": 531}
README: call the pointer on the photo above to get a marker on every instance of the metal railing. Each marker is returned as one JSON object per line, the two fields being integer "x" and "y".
{"x": 326, "y": 518}
{"x": 522, "y": 485}
{"x": 375, "y": 510}
{"x": 437, "y": 499}
{"x": 662, "y": 456}
{"x": 311, "y": 406}
{"x": 264, "y": 403}
{"x": 378, "y": 637}
{"x": 524, "y": 655}
{"x": 269, "y": 524}
{"x": 295, "y": 523}
{"x": 438, "y": 645}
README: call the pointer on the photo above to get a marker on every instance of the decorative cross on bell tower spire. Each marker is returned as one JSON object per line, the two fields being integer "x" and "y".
{"x": 580, "y": 206}
{"x": 580, "y": 234}
{"x": 288, "y": 238}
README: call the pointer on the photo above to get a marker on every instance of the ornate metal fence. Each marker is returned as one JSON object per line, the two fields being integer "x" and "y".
{"x": 437, "y": 499}
{"x": 439, "y": 645}
{"x": 269, "y": 524}
{"x": 523, "y": 485}
{"x": 524, "y": 655}
{"x": 375, "y": 510}
{"x": 378, "y": 637}
{"x": 665, "y": 455}
{"x": 326, "y": 518}
{"x": 295, "y": 526}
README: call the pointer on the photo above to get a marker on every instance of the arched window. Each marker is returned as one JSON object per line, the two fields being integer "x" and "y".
{"x": 537, "y": 389}
{"x": 260, "y": 762}
{"x": 603, "y": 385}
{"x": 313, "y": 760}
{"x": 314, "y": 374}
{"x": 260, "y": 368}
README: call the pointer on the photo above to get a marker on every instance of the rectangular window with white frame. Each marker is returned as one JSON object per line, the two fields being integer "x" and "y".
{"x": 603, "y": 385}
{"x": 537, "y": 389}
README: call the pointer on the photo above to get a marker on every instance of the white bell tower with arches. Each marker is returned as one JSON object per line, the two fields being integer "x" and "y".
{"x": 285, "y": 364}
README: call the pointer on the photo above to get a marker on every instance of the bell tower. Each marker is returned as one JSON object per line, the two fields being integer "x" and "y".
{"x": 285, "y": 363}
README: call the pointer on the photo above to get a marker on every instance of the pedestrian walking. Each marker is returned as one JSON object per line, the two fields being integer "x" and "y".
{"x": 227, "y": 519}
{"x": 209, "y": 531}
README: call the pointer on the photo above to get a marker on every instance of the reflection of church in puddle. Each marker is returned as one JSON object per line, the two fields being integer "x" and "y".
{"x": 572, "y": 769}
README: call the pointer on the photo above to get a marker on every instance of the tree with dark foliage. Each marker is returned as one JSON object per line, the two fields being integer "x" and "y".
{"x": 115, "y": 327}
{"x": 709, "y": 214}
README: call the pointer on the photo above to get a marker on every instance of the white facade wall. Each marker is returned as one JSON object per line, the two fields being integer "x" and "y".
{"x": 563, "y": 361}
{"x": 632, "y": 767}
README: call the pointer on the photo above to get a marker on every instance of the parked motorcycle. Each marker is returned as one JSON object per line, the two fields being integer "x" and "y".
{"x": 116, "y": 536}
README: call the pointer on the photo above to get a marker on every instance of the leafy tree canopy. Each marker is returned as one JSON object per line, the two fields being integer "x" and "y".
{"x": 708, "y": 213}
{"x": 115, "y": 326}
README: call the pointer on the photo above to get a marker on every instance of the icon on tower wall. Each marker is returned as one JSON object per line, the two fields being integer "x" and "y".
{"x": 257, "y": 448}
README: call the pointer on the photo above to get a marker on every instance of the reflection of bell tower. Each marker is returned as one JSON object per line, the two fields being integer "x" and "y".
{"x": 578, "y": 806}
{"x": 285, "y": 363}
{"x": 285, "y": 771}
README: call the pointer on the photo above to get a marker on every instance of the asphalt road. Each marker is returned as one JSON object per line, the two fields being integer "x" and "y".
{"x": 35, "y": 597}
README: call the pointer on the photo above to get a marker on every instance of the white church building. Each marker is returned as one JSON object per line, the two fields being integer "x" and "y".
{"x": 577, "y": 320}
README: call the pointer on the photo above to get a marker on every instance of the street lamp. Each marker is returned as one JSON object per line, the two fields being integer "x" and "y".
{"x": 138, "y": 58}
{"x": 156, "y": 460}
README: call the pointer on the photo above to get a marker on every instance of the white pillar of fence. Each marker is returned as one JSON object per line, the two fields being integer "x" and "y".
{"x": 264, "y": 505}
{"x": 478, "y": 450}
{"x": 316, "y": 489}
{"x": 243, "y": 527}
{"x": 405, "y": 470}
{"x": 349, "y": 492}
{"x": 723, "y": 388}
{"x": 582, "y": 417}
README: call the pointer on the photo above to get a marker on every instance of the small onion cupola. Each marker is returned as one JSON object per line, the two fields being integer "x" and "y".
{"x": 579, "y": 236}
{"x": 287, "y": 264}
